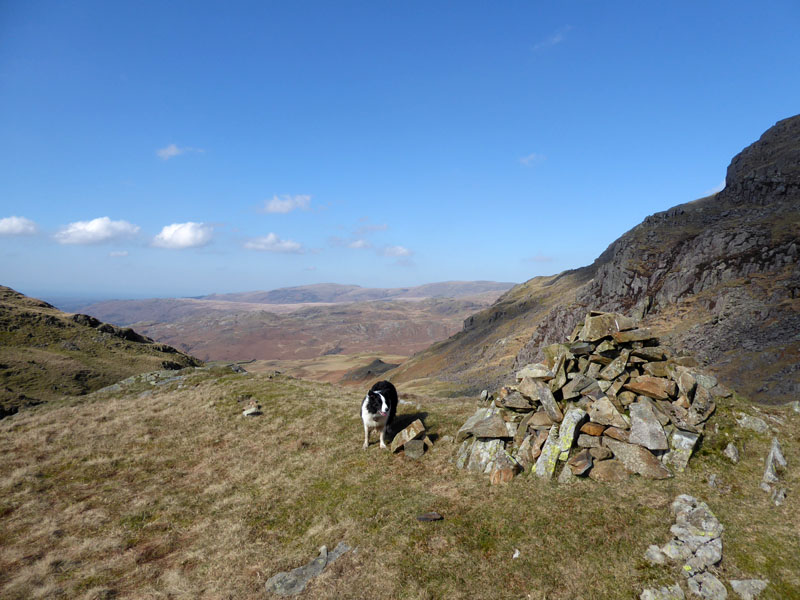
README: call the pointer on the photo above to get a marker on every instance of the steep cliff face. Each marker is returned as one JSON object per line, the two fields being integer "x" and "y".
{"x": 719, "y": 276}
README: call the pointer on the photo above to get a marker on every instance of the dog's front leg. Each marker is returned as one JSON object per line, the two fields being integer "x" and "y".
{"x": 366, "y": 437}
{"x": 383, "y": 437}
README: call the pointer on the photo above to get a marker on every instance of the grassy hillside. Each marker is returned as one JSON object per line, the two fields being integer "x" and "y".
{"x": 482, "y": 354}
{"x": 46, "y": 354}
{"x": 166, "y": 491}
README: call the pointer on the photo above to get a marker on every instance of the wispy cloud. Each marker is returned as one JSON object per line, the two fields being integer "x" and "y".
{"x": 287, "y": 203}
{"x": 179, "y": 236}
{"x": 17, "y": 226}
{"x": 532, "y": 159}
{"x": 364, "y": 226}
{"x": 173, "y": 150}
{"x": 396, "y": 251}
{"x": 555, "y": 38}
{"x": 95, "y": 231}
{"x": 272, "y": 243}
{"x": 118, "y": 254}
{"x": 359, "y": 244}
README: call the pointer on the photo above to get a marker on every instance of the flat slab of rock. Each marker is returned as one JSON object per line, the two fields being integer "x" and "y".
{"x": 574, "y": 387}
{"x": 646, "y": 430}
{"x": 492, "y": 426}
{"x": 731, "y": 453}
{"x": 483, "y": 455}
{"x": 616, "y": 367}
{"x": 617, "y": 434}
{"x": 292, "y": 583}
{"x": 604, "y": 412}
{"x": 588, "y": 441}
{"x": 603, "y": 325}
{"x": 466, "y": 428}
{"x": 748, "y": 589}
{"x": 592, "y": 429}
{"x": 516, "y": 400}
{"x": 535, "y": 370}
{"x": 659, "y": 388}
{"x": 774, "y": 464}
{"x": 756, "y": 424}
{"x": 673, "y": 592}
{"x": 546, "y": 463}
{"x": 702, "y": 406}
{"x": 682, "y": 444}
{"x": 707, "y": 586}
{"x": 581, "y": 463}
{"x": 430, "y": 516}
{"x": 549, "y": 403}
{"x": 609, "y": 471}
{"x": 637, "y": 459}
{"x": 568, "y": 430}
{"x": 412, "y": 432}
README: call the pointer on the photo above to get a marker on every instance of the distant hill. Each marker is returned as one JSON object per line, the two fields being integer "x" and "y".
{"x": 46, "y": 354}
{"x": 719, "y": 276}
{"x": 336, "y": 293}
{"x": 307, "y": 321}
{"x": 398, "y": 327}
{"x": 284, "y": 300}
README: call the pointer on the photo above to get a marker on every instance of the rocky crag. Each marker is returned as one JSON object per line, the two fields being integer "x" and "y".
{"x": 609, "y": 402}
{"x": 719, "y": 277}
{"x": 46, "y": 354}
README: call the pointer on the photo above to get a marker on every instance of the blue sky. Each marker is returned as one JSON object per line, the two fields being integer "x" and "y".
{"x": 184, "y": 148}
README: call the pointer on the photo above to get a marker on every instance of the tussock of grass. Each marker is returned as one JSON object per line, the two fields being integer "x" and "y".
{"x": 173, "y": 494}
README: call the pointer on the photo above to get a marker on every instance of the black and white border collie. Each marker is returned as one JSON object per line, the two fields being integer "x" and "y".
{"x": 378, "y": 409}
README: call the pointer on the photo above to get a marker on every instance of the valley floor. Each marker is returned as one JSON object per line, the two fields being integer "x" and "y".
{"x": 166, "y": 491}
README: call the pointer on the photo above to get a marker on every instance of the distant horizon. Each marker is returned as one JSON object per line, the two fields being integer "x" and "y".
{"x": 181, "y": 149}
{"x": 82, "y": 299}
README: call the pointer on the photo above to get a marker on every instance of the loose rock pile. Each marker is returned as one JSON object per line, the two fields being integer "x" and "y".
{"x": 696, "y": 546}
{"x": 610, "y": 402}
{"x": 413, "y": 440}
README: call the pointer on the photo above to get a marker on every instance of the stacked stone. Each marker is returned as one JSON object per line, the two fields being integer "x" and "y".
{"x": 610, "y": 402}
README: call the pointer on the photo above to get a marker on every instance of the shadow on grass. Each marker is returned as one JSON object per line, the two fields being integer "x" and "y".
{"x": 402, "y": 421}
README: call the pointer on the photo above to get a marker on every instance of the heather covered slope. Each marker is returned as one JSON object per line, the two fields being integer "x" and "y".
{"x": 719, "y": 277}
{"x": 394, "y": 327}
{"x": 46, "y": 354}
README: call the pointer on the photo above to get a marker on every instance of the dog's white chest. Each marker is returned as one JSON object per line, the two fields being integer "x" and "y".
{"x": 372, "y": 419}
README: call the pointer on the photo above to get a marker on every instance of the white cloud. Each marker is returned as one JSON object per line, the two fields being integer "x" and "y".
{"x": 531, "y": 159}
{"x": 118, "y": 254}
{"x": 359, "y": 244}
{"x": 554, "y": 38}
{"x": 95, "y": 231}
{"x": 272, "y": 243}
{"x": 184, "y": 235}
{"x": 286, "y": 204}
{"x": 397, "y": 251}
{"x": 17, "y": 226}
{"x": 172, "y": 151}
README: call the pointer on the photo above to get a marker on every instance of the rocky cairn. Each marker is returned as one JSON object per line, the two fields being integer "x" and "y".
{"x": 609, "y": 402}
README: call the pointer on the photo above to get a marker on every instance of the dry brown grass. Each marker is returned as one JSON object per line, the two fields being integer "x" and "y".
{"x": 325, "y": 369}
{"x": 170, "y": 493}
